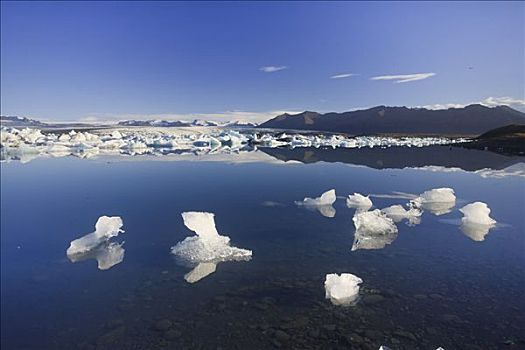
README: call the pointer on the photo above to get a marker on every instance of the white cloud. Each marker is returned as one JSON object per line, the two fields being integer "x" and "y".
{"x": 506, "y": 101}
{"x": 245, "y": 116}
{"x": 515, "y": 103}
{"x": 271, "y": 69}
{"x": 343, "y": 75}
{"x": 403, "y": 78}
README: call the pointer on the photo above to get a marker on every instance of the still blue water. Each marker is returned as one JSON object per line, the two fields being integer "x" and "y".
{"x": 433, "y": 286}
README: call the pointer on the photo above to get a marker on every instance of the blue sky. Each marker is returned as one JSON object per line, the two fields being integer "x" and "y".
{"x": 104, "y": 60}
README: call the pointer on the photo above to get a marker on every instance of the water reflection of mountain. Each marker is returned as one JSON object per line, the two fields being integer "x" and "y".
{"x": 399, "y": 157}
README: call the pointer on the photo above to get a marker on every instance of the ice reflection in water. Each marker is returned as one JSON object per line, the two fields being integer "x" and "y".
{"x": 106, "y": 254}
{"x": 476, "y": 232}
{"x": 207, "y": 249}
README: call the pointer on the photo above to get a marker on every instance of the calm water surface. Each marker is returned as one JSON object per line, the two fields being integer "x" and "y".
{"x": 432, "y": 286}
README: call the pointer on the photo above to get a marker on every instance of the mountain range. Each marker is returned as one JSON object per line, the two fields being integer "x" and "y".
{"x": 23, "y": 122}
{"x": 473, "y": 119}
{"x": 183, "y": 123}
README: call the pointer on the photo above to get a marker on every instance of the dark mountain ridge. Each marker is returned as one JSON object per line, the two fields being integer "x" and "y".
{"x": 470, "y": 120}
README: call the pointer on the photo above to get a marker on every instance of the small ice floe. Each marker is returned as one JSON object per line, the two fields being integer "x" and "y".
{"x": 398, "y": 212}
{"x": 374, "y": 230}
{"x": 323, "y": 203}
{"x": 342, "y": 289}
{"x": 105, "y": 228}
{"x": 96, "y": 245}
{"x": 438, "y": 201}
{"x": 358, "y": 201}
{"x": 476, "y": 222}
{"x": 205, "y": 250}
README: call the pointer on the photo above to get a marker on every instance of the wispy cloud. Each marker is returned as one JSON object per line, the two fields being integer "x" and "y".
{"x": 515, "y": 103}
{"x": 271, "y": 69}
{"x": 343, "y": 75}
{"x": 404, "y": 78}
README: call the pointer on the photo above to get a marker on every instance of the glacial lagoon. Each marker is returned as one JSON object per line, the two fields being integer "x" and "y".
{"x": 433, "y": 282}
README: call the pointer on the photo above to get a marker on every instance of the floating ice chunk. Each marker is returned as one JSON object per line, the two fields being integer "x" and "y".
{"x": 359, "y": 201}
{"x": 105, "y": 228}
{"x": 438, "y": 201}
{"x": 374, "y": 230}
{"x": 207, "y": 247}
{"x": 477, "y": 213}
{"x": 64, "y": 138}
{"x": 374, "y": 222}
{"x": 342, "y": 289}
{"x": 106, "y": 254}
{"x": 443, "y": 194}
{"x": 327, "y": 198}
{"x": 116, "y": 134}
{"x": 203, "y": 224}
{"x": 476, "y": 222}
{"x": 398, "y": 212}
{"x": 323, "y": 203}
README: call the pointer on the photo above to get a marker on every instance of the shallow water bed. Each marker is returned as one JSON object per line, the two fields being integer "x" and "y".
{"x": 431, "y": 286}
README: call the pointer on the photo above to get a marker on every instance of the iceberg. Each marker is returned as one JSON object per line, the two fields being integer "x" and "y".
{"x": 105, "y": 228}
{"x": 342, "y": 289}
{"x": 438, "y": 201}
{"x": 398, "y": 213}
{"x": 323, "y": 203}
{"x": 327, "y": 198}
{"x": 148, "y": 139}
{"x": 374, "y": 230}
{"x": 477, "y": 213}
{"x": 96, "y": 245}
{"x": 205, "y": 250}
{"x": 359, "y": 201}
{"x": 476, "y": 222}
